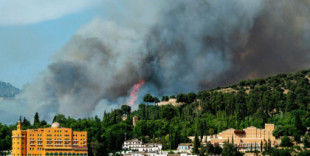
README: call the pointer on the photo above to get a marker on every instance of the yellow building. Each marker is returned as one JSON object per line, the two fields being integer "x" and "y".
{"x": 53, "y": 141}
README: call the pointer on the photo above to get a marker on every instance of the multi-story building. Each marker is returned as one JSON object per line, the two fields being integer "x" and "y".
{"x": 138, "y": 145}
{"x": 53, "y": 141}
{"x": 246, "y": 138}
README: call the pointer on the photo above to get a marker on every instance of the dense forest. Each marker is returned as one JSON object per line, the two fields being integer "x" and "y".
{"x": 7, "y": 90}
{"x": 282, "y": 99}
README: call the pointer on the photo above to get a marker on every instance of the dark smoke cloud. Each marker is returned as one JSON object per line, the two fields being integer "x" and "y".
{"x": 216, "y": 44}
{"x": 175, "y": 46}
{"x": 277, "y": 42}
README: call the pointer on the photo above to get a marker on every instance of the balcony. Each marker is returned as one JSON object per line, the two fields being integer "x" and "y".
{"x": 17, "y": 136}
{"x": 59, "y": 147}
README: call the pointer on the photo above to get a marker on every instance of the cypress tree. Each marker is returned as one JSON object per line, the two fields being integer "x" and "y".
{"x": 196, "y": 144}
{"x": 201, "y": 130}
{"x": 269, "y": 145}
{"x": 36, "y": 122}
{"x": 54, "y": 119}
{"x": 251, "y": 148}
{"x": 232, "y": 140}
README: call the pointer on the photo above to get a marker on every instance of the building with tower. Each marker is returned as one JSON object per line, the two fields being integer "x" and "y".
{"x": 52, "y": 141}
{"x": 246, "y": 138}
{"x": 135, "y": 119}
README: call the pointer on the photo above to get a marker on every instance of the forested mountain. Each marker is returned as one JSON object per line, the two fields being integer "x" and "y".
{"x": 282, "y": 99}
{"x": 7, "y": 90}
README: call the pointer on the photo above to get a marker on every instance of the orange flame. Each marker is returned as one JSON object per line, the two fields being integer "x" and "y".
{"x": 134, "y": 92}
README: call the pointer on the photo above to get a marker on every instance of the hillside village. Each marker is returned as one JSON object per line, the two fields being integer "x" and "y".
{"x": 263, "y": 116}
{"x": 251, "y": 141}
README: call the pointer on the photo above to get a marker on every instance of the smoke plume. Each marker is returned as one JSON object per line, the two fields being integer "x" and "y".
{"x": 174, "y": 46}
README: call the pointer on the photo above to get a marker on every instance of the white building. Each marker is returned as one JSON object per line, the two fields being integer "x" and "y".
{"x": 185, "y": 147}
{"x": 137, "y": 147}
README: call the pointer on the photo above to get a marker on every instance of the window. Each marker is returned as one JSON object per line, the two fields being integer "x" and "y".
{"x": 56, "y": 154}
{"x": 69, "y": 154}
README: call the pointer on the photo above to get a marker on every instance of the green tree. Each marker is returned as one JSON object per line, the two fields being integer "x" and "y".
{"x": 202, "y": 151}
{"x": 182, "y": 98}
{"x": 300, "y": 129}
{"x": 36, "y": 122}
{"x": 209, "y": 148}
{"x": 218, "y": 150}
{"x": 286, "y": 142}
{"x": 196, "y": 144}
{"x": 156, "y": 100}
{"x": 148, "y": 98}
{"x": 306, "y": 141}
{"x": 230, "y": 150}
{"x": 142, "y": 108}
{"x": 251, "y": 148}
{"x": 165, "y": 98}
{"x": 290, "y": 102}
{"x": 26, "y": 123}
{"x": 168, "y": 112}
{"x": 278, "y": 131}
{"x": 126, "y": 109}
{"x": 191, "y": 97}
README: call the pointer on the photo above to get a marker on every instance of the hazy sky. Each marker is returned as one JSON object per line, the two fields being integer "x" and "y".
{"x": 31, "y": 32}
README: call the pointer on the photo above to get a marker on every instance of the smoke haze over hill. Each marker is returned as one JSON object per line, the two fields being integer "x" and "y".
{"x": 174, "y": 46}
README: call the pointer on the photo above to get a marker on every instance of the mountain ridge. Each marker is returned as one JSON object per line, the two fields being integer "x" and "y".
{"x": 7, "y": 90}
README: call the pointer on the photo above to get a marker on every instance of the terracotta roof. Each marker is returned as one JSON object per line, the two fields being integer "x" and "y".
{"x": 186, "y": 144}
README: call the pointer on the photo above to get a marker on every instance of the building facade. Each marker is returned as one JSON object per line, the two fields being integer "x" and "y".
{"x": 245, "y": 138}
{"x": 53, "y": 141}
{"x": 138, "y": 145}
{"x": 185, "y": 147}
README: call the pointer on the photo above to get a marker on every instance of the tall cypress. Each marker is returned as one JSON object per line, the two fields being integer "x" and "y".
{"x": 36, "y": 122}
{"x": 196, "y": 144}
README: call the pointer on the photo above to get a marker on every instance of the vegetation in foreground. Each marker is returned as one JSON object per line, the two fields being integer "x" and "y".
{"x": 282, "y": 100}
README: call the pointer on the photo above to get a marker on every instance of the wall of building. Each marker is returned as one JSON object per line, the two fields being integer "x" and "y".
{"x": 245, "y": 137}
{"x": 54, "y": 141}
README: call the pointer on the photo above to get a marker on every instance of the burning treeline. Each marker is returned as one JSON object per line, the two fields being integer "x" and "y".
{"x": 174, "y": 46}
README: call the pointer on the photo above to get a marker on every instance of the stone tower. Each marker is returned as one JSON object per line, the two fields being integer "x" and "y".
{"x": 135, "y": 119}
